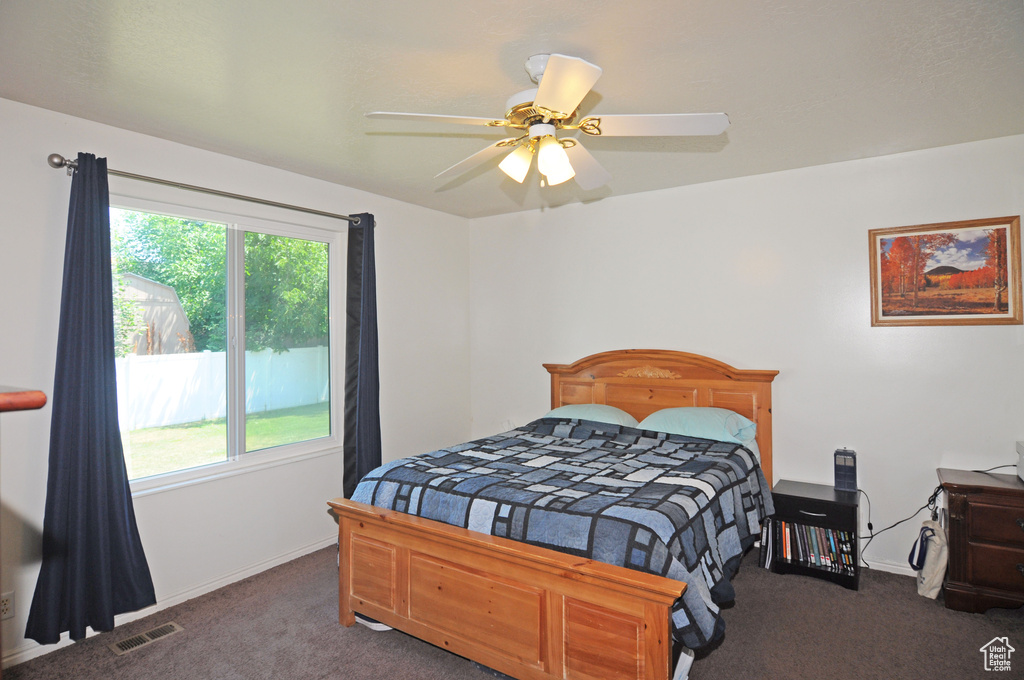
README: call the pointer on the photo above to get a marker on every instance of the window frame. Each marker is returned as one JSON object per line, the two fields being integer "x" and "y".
{"x": 278, "y": 222}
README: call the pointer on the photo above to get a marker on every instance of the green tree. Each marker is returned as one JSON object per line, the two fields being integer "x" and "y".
{"x": 286, "y": 292}
{"x": 286, "y": 279}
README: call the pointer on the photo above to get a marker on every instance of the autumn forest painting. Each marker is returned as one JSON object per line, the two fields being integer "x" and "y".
{"x": 968, "y": 272}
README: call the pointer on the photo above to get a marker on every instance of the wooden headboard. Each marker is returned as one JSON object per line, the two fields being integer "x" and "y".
{"x": 642, "y": 381}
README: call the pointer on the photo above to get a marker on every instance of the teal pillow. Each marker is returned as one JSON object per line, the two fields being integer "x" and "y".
{"x": 602, "y": 413}
{"x": 719, "y": 424}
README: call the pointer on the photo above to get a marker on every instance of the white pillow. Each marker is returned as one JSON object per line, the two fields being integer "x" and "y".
{"x": 719, "y": 424}
{"x": 601, "y": 413}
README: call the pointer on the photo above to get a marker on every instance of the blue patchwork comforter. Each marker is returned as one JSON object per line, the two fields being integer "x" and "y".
{"x": 677, "y": 506}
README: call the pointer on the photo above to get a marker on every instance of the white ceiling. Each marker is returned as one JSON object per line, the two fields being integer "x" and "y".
{"x": 286, "y": 84}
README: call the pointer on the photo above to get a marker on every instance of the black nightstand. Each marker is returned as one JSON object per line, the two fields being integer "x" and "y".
{"x": 814, "y": 532}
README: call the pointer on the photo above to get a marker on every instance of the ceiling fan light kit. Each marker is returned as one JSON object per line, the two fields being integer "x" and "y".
{"x": 552, "y": 161}
{"x": 517, "y": 163}
{"x": 539, "y": 114}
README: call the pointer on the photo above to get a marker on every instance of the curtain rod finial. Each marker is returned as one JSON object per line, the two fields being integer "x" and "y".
{"x": 57, "y": 161}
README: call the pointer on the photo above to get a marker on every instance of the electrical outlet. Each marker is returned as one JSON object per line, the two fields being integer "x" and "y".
{"x": 7, "y": 605}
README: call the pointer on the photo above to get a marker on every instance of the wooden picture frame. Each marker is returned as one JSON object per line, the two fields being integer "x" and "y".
{"x": 947, "y": 274}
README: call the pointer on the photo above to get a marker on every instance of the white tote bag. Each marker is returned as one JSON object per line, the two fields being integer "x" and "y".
{"x": 928, "y": 558}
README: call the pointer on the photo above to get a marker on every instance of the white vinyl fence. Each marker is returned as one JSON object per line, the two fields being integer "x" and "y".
{"x": 169, "y": 389}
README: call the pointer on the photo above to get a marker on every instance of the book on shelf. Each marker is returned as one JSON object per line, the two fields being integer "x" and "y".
{"x": 767, "y": 544}
{"x": 810, "y": 546}
{"x": 826, "y": 549}
{"x": 815, "y": 550}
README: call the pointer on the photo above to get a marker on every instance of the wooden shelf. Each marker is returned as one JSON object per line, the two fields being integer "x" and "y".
{"x": 19, "y": 399}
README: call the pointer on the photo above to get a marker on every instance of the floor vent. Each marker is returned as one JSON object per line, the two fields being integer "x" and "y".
{"x": 143, "y": 639}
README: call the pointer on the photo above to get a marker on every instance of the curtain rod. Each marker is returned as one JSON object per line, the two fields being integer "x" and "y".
{"x": 57, "y": 161}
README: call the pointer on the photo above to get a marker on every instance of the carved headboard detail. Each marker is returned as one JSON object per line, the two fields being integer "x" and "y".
{"x": 649, "y": 372}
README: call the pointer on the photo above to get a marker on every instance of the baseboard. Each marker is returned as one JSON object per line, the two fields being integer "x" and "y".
{"x": 893, "y": 568}
{"x": 30, "y": 650}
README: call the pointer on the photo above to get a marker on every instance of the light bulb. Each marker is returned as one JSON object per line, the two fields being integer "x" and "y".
{"x": 517, "y": 163}
{"x": 553, "y": 162}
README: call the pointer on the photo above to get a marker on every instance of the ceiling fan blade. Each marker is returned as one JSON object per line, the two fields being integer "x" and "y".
{"x": 481, "y": 156}
{"x": 589, "y": 173}
{"x": 655, "y": 124}
{"x": 566, "y": 81}
{"x": 431, "y": 118}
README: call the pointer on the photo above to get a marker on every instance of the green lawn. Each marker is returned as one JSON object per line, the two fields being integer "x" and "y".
{"x": 157, "y": 450}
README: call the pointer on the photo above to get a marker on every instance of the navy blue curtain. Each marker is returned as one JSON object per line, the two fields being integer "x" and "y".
{"x": 93, "y": 566}
{"x": 362, "y": 378}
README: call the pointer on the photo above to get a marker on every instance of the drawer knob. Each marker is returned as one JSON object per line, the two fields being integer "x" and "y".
{"x": 1020, "y": 523}
{"x": 1020, "y": 568}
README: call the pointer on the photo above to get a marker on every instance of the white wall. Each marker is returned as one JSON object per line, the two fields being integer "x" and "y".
{"x": 202, "y": 536}
{"x": 769, "y": 272}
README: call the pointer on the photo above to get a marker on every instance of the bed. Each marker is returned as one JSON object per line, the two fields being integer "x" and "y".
{"x": 524, "y": 609}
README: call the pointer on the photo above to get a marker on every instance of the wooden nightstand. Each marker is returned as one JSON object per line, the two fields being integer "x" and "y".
{"x": 814, "y": 532}
{"x": 985, "y": 530}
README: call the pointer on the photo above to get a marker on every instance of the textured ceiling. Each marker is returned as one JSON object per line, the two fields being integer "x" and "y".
{"x": 286, "y": 84}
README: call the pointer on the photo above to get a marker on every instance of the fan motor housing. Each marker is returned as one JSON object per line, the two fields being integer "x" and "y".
{"x": 521, "y": 112}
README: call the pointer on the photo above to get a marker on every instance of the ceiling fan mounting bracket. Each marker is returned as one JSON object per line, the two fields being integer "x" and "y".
{"x": 535, "y": 66}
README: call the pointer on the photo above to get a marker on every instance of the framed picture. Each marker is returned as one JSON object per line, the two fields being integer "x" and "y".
{"x": 955, "y": 273}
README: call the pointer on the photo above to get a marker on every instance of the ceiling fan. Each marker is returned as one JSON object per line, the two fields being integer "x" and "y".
{"x": 537, "y": 116}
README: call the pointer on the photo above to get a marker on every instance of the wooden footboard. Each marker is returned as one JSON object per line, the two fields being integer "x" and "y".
{"x": 525, "y": 611}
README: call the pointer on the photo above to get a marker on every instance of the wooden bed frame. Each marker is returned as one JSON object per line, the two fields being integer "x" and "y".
{"x": 529, "y": 612}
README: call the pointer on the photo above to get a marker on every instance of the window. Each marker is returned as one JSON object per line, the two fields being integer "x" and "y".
{"x": 222, "y": 336}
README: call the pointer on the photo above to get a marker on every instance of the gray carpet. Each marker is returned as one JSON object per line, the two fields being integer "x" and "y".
{"x": 796, "y": 627}
{"x": 282, "y": 624}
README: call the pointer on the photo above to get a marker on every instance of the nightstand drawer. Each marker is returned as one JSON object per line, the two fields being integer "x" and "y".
{"x": 996, "y": 566}
{"x": 812, "y": 511}
{"x": 1001, "y": 523}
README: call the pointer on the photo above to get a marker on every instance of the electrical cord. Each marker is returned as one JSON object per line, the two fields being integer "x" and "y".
{"x": 997, "y": 467}
{"x": 930, "y": 505}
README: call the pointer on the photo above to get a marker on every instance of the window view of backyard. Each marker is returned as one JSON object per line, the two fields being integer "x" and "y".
{"x": 171, "y": 288}
{"x": 286, "y": 331}
{"x": 156, "y": 450}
